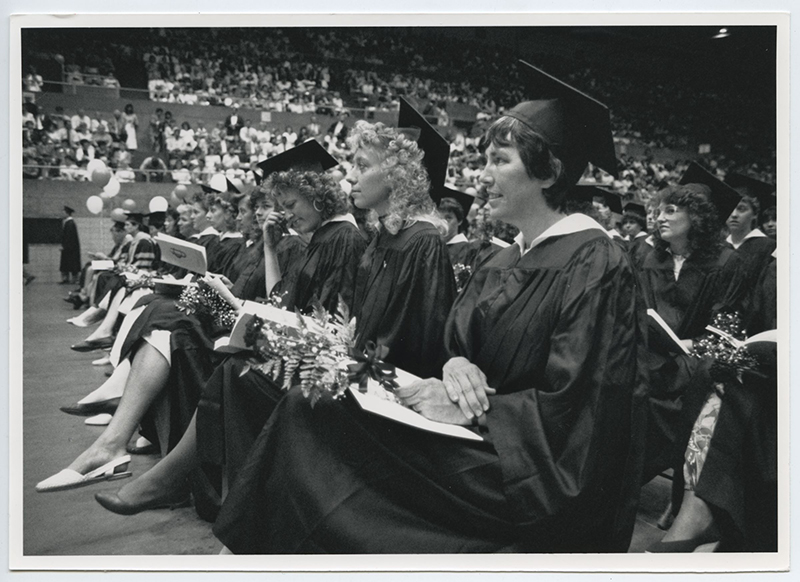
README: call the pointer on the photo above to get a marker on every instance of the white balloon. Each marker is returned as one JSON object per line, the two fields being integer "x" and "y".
{"x": 94, "y": 204}
{"x": 112, "y": 188}
{"x": 158, "y": 204}
{"x": 95, "y": 164}
{"x": 218, "y": 183}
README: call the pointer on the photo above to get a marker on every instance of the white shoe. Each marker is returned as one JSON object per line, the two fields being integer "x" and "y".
{"x": 104, "y": 361}
{"x": 71, "y": 479}
{"x": 77, "y": 322}
{"x": 101, "y": 419}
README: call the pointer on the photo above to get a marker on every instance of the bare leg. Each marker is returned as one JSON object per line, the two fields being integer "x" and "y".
{"x": 111, "y": 388}
{"x": 169, "y": 474}
{"x": 106, "y": 328}
{"x": 693, "y": 520}
{"x": 148, "y": 377}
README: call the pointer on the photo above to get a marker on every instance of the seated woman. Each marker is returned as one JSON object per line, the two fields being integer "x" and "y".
{"x": 164, "y": 347}
{"x": 408, "y": 267}
{"x": 683, "y": 278}
{"x": 543, "y": 358}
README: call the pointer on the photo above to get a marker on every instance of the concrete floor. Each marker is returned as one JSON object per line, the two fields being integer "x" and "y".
{"x": 71, "y": 522}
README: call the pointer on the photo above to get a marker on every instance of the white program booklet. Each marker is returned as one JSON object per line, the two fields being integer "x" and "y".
{"x": 181, "y": 253}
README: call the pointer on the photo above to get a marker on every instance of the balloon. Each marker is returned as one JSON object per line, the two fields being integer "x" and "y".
{"x": 118, "y": 215}
{"x": 112, "y": 188}
{"x": 175, "y": 201}
{"x": 95, "y": 164}
{"x": 181, "y": 192}
{"x": 94, "y": 204}
{"x": 129, "y": 205}
{"x": 218, "y": 183}
{"x": 158, "y": 204}
{"x": 59, "y": 59}
{"x": 101, "y": 176}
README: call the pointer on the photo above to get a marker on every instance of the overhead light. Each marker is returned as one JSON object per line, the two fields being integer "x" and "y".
{"x": 723, "y": 32}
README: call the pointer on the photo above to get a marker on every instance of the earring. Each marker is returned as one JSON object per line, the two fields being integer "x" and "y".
{"x": 314, "y": 204}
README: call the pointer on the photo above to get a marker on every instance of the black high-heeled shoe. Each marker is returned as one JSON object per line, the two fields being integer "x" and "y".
{"x": 91, "y": 408}
{"x": 113, "y": 503}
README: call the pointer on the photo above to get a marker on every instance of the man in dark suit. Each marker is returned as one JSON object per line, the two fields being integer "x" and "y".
{"x": 70, "y": 249}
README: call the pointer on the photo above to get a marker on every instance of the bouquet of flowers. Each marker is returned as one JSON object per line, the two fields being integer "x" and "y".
{"x": 462, "y": 273}
{"x": 725, "y": 344}
{"x": 206, "y": 302}
{"x": 317, "y": 354}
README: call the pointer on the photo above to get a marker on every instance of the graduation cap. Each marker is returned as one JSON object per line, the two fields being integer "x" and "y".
{"x": 209, "y": 190}
{"x": 577, "y": 127}
{"x": 723, "y": 196}
{"x": 231, "y": 188}
{"x": 309, "y": 155}
{"x": 635, "y": 208}
{"x": 68, "y": 209}
{"x": 747, "y": 186}
{"x": 585, "y": 192}
{"x": 136, "y": 217}
{"x": 156, "y": 219}
{"x": 464, "y": 200}
{"x": 437, "y": 151}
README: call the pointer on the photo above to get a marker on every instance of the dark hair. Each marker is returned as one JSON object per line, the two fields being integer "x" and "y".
{"x": 768, "y": 214}
{"x": 118, "y": 226}
{"x": 535, "y": 153}
{"x": 129, "y": 108}
{"x": 635, "y": 217}
{"x": 451, "y": 205}
{"x": 705, "y": 235}
{"x": 320, "y": 190}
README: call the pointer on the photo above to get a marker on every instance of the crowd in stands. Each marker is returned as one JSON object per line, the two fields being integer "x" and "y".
{"x": 321, "y": 70}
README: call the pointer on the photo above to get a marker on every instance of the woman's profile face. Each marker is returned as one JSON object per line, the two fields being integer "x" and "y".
{"x": 263, "y": 208}
{"x": 741, "y": 219}
{"x": 217, "y": 217}
{"x": 131, "y": 227}
{"x": 368, "y": 180}
{"x": 673, "y": 223}
{"x": 508, "y": 186}
{"x": 244, "y": 220}
{"x": 185, "y": 223}
{"x": 299, "y": 211}
{"x": 199, "y": 220}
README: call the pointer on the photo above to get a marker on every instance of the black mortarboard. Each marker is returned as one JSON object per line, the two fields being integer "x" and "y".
{"x": 309, "y": 155}
{"x": 156, "y": 219}
{"x": 437, "y": 151}
{"x": 577, "y": 127}
{"x": 68, "y": 209}
{"x": 209, "y": 190}
{"x": 464, "y": 200}
{"x": 137, "y": 217}
{"x": 636, "y": 208}
{"x": 723, "y": 196}
{"x": 231, "y": 188}
{"x": 747, "y": 186}
{"x": 584, "y": 192}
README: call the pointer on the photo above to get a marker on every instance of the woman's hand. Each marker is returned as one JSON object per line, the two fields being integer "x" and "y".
{"x": 273, "y": 229}
{"x": 430, "y": 399}
{"x": 466, "y": 386}
{"x": 225, "y": 281}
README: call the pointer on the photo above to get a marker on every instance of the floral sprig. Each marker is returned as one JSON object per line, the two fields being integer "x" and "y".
{"x": 313, "y": 354}
{"x": 462, "y": 273}
{"x": 142, "y": 280}
{"x": 731, "y": 358}
{"x": 205, "y": 303}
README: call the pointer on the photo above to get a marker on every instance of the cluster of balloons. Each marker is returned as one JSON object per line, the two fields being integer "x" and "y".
{"x": 102, "y": 176}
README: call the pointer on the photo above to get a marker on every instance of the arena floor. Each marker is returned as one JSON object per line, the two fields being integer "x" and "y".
{"x": 71, "y": 522}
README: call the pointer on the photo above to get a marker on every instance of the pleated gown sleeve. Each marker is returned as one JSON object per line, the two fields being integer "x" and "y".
{"x": 326, "y": 271}
{"x": 556, "y": 334}
{"x": 404, "y": 291}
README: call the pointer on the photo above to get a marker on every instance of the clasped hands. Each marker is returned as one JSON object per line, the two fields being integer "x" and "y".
{"x": 460, "y": 397}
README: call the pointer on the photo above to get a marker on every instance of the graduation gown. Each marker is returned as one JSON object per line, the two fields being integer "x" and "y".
{"x": 223, "y": 259}
{"x": 234, "y": 407}
{"x": 746, "y": 265}
{"x": 70, "y": 247}
{"x": 687, "y": 306}
{"x": 555, "y": 332}
{"x": 404, "y": 290}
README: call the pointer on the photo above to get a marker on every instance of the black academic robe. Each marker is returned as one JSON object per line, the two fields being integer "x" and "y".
{"x": 223, "y": 261}
{"x": 687, "y": 306}
{"x": 70, "y": 248}
{"x": 234, "y": 407}
{"x": 404, "y": 290}
{"x": 746, "y": 266}
{"x": 555, "y": 332}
